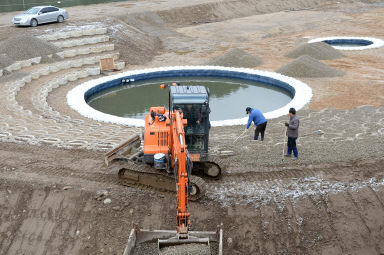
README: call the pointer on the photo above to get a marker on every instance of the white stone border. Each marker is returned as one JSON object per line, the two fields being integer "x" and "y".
{"x": 76, "y": 100}
{"x": 376, "y": 43}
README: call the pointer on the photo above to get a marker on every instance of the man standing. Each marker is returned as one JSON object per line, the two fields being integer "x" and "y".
{"x": 292, "y": 133}
{"x": 258, "y": 118}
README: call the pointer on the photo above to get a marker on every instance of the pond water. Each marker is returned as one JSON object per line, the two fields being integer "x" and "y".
{"x": 348, "y": 42}
{"x": 228, "y": 97}
{"x": 22, "y": 5}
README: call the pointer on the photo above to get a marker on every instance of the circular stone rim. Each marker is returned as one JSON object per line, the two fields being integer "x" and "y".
{"x": 76, "y": 99}
{"x": 376, "y": 43}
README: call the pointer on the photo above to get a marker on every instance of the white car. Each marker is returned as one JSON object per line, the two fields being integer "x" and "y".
{"x": 40, "y": 15}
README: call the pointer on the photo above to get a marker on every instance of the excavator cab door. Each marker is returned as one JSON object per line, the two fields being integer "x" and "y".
{"x": 193, "y": 101}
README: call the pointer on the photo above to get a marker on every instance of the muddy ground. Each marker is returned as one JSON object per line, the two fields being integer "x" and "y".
{"x": 330, "y": 201}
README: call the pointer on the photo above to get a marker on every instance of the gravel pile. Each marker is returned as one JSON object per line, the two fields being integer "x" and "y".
{"x": 135, "y": 46}
{"x": 5, "y": 61}
{"x": 186, "y": 249}
{"x": 151, "y": 248}
{"x": 24, "y": 47}
{"x": 319, "y": 50}
{"x": 306, "y": 66}
{"x": 235, "y": 58}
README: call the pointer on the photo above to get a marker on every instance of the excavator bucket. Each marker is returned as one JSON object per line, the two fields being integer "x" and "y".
{"x": 168, "y": 242}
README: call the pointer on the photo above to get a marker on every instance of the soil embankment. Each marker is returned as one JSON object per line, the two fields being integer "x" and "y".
{"x": 330, "y": 201}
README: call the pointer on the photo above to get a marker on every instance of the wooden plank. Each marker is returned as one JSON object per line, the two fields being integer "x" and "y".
{"x": 107, "y": 64}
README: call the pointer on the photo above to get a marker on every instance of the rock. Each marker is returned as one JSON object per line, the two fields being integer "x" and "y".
{"x": 229, "y": 241}
{"x": 78, "y": 232}
{"x": 227, "y": 153}
{"x": 131, "y": 211}
{"x": 116, "y": 208}
{"x": 102, "y": 193}
{"x": 67, "y": 187}
{"x": 107, "y": 201}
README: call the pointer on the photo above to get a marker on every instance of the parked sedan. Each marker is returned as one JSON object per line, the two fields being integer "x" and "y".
{"x": 39, "y": 15}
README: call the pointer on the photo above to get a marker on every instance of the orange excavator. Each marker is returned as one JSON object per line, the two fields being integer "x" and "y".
{"x": 153, "y": 165}
{"x": 168, "y": 137}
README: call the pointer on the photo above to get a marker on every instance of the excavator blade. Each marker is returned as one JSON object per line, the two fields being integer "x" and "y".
{"x": 124, "y": 150}
{"x": 168, "y": 242}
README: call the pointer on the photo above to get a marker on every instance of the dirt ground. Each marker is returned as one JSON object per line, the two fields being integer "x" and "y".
{"x": 331, "y": 201}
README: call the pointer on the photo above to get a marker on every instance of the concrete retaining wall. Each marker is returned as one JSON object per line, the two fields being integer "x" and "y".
{"x": 76, "y": 98}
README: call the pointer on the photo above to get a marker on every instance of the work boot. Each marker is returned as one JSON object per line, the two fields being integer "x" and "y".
{"x": 294, "y": 158}
{"x": 287, "y": 155}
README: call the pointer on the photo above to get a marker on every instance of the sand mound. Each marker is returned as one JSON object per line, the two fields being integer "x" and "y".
{"x": 26, "y": 47}
{"x": 5, "y": 61}
{"x": 136, "y": 46}
{"x": 235, "y": 58}
{"x": 319, "y": 50}
{"x": 306, "y": 66}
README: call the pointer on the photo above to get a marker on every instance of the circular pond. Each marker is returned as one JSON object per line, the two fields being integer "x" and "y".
{"x": 113, "y": 99}
{"x": 228, "y": 97}
{"x": 350, "y": 43}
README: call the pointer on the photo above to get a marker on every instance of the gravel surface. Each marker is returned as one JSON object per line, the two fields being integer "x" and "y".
{"x": 348, "y": 135}
{"x": 5, "y": 61}
{"x": 235, "y": 58}
{"x": 24, "y": 47}
{"x": 319, "y": 50}
{"x": 306, "y": 66}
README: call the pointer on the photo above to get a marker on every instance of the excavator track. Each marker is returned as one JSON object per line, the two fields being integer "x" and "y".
{"x": 210, "y": 169}
{"x": 143, "y": 176}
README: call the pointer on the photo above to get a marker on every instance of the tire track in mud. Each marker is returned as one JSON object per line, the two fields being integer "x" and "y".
{"x": 324, "y": 213}
{"x": 292, "y": 224}
{"x": 281, "y": 173}
{"x": 319, "y": 178}
{"x": 376, "y": 196}
{"x": 260, "y": 189}
{"x": 367, "y": 209}
{"x": 56, "y": 175}
{"x": 325, "y": 205}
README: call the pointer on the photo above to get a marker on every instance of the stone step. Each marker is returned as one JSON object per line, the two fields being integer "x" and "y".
{"x": 81, "y": 41}
{"x": 86, "y": 50}
{"x": 74, "y": 34}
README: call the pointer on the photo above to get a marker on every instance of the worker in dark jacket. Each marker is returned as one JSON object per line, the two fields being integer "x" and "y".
{"x": 259, "y": 120}
{"x": 292, "y": 133}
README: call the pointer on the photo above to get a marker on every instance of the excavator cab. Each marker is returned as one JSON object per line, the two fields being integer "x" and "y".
{"x": 193, "y": 101}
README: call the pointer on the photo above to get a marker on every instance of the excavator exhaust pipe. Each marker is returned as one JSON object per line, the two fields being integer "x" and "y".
{"x": 169, "y": 242}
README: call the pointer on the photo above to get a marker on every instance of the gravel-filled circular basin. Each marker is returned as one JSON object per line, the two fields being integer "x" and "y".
{"x": 240, "y": 82}
{"x": 350, "y": 43}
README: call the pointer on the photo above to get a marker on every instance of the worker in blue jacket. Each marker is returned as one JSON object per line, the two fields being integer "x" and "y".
{"x": 259, "y": 120}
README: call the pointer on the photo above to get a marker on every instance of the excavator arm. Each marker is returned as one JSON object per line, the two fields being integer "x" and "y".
{"x": 179, "y": 157}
